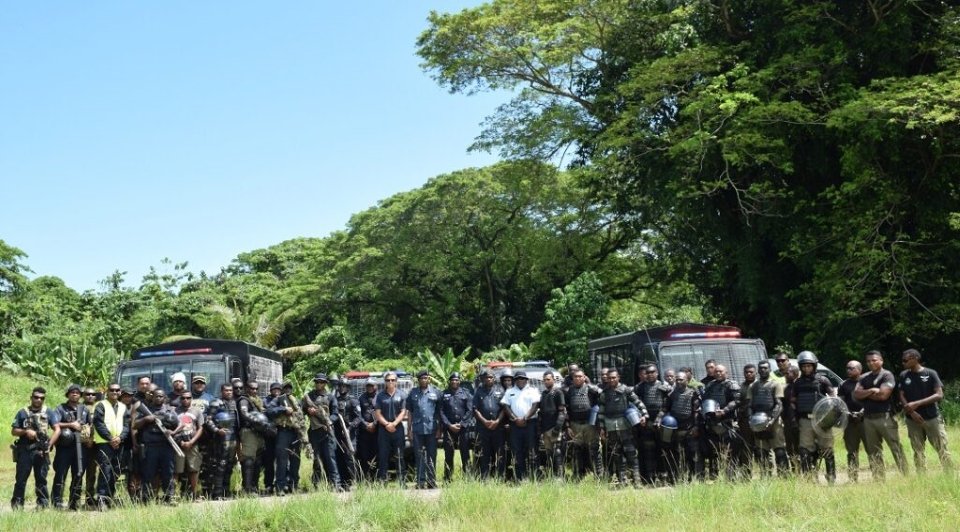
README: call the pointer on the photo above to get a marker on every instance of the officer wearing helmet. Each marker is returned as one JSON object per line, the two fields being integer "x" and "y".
{"x": 807, "y": 390}
{"x": 764, "y": 399}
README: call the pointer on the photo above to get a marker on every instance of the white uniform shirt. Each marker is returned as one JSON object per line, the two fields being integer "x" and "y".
{"x": 521, "y": 401}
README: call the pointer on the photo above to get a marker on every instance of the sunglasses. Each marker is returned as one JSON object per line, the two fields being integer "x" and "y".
{"x": 779, "y": 360}
{"x": 391, "y": 380}
{"x": 90, "y": 394}
{"x": 114, "y": 390}
{"x": 40, "y": 397}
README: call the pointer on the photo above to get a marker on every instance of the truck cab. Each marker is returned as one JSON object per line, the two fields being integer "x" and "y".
{"x": 217, "y": 360}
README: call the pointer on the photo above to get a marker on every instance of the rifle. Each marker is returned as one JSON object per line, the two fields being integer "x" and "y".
{"x": 170, "y": 440}
{"x": 346, "y": 435}
{"x": 299, "y": 423}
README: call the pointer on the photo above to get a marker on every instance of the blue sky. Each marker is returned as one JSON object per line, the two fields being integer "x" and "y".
{"x": 136, "y": 131}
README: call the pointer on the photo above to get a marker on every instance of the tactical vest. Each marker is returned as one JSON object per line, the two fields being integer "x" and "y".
{"x": 762, "y": 396}
{"x": 368, "y": 404}
{"x": 578, "y": 404}
{"x": 37, "y": 421}
{"x": 651, "y": 393}
{"x": 285, "y": 420}
{"x": 615, "y": 401}
{"x": 808, "y": 393}
{"x": 113, "y": 420}
{"x": 548, "y": 402}
{"x": 717, "y": 391}
{"x": 681, "y": 404}
{"x": 257, "y": 402}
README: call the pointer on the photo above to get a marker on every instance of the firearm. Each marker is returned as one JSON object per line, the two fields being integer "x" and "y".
{"x": 346, "y": 435}
{"x": 42, "y": 444}
{"x": 299, "y": 423}
{"x": 170, "y": 440}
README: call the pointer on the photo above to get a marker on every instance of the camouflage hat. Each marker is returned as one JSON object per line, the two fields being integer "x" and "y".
{"x": 200, "y": 378}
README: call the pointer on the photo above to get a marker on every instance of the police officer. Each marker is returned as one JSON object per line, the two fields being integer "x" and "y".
{"x": 615, "y": 402}
{"x": 70, "y": 416}
{"x": 853, "y": 432}
{"x": 552, "y": 416}
{"x": 269, "y": 456}
{"x": 765, "y": 396}
{"x": 582, "y": 400}
{"x": 920, "y": 393}
{"x": 288, "y": 417}
{"x": 111, "y": 427}
{"x": 653, "y": 393}
{"x": 423, "y": 409}
{"x": 158, "y": 456}
{"x": 875, "y": 391}
{"x": 521, "y": 403}
{"x": 455, "y": 417}
{"x": 719, "y": 433}
{"x": 321, "y": 407}
{"x": 390, "y": 412}
{"x": 490, "y": 436}
{"x": 187, "y": 435}
{"x": 348, "y": 416}
{"x": 89, "y": 454}
{"x": 744, "y": 442}
{"x": 683, "y": 449}
{"x": 251, "y": 438}
{"x": 32, "y": 426}
{"x": 201, "y": 397}
{"x": 367, "y": 435}
{"x": 791, "y": 430}
{"x": 223, "y": 425}
{"x": 808, "y": 389}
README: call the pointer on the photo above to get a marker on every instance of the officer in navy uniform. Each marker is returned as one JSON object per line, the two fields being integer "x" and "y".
{"x": 367, "y": 434}
{"x": 719, "y": 433}
{"x": 158, "y": 455}
{"x": 455, "y": 416}
{"x": 222, "y": 423}
{"x": 269, "y": 456}
{"x": 423, "y": 408}
{"x": 70, "y": 418}
{"x": 683, "y": 450}
{"x": 390, "y": 414}
{"x": 349, "y": 420}
{"x": 320, "y": 405}
{"x": 490, "y": 415}
{"x": 653, "y": 393}
{"x": 285, "y": 412}
{"x": 807, "y": 390}
{"x": 32, "y": 426}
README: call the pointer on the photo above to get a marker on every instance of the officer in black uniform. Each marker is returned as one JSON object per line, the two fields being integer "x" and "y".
{"x": 158, "y": 455}
{"x": 390, "y": 413}
{"x": 222, "y": 424}
{"x": 288, "y": 417}
{"x": 853, "y": 438}
{"x": 719, "y": 433}
{"x": 89, "y": 450}
{"x": 653, "y": 393}
{"x": 615, "y": 401}
{"x": 252, "y": 441}
{"x": 490, "y": 415}
{"x": 269, "y": 456}
{"x": 348, "y": 424}
{"x": 552, "y": 416}
{"x": 321, "y": 407}
{"x": 455, "y": 415}
{"x": 367, "y": 433}
{"x": 32, "y": 426}
{"x": 582, "y": 400}
{"x": 71, "y": 416}
{"x": 683, "y": 449}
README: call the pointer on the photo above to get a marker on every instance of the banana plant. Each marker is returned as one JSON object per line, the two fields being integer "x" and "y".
{"x": 441, "y": 366}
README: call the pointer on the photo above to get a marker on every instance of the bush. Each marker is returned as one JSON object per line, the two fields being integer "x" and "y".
{"x": 951, "y": 402}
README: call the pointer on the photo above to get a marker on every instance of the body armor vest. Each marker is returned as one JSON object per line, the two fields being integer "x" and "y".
{"x": 762, "y": 396}
{"x": 578, "y": 403}
{"x": 651, "y": 393}
{"x": 718, "y": 392}
{"x": 615, "y": 401}
{"x": 681, "y": 404}
{"x": 368, "y": 403}
{"x": 808, "y": 393}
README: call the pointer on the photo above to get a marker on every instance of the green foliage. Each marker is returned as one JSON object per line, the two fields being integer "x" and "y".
{"x": 573, "y": 316}
{"x": 441, "y": 366}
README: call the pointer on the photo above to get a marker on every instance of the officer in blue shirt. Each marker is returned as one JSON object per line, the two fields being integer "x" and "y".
{"x": 455, "y": 419}
{"x": 490, "y": 418}
{"x": 390, "y": 413}
{"x": 32, "y": 427}
{"x": 423, "y": 405}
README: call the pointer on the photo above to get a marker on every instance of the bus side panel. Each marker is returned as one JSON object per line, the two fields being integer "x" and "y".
{"x": 265, "y": 371}
{"x": 733, "y": 355}
{"x": 620, "y": 357}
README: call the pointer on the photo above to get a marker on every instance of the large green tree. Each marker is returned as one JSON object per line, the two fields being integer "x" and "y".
{"x": 798, "y": 161}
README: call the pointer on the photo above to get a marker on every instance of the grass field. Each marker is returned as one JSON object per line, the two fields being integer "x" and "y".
{"x": 930, "y": 502}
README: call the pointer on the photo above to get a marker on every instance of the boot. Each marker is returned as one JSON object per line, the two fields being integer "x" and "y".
{"x": 831, "y": 466}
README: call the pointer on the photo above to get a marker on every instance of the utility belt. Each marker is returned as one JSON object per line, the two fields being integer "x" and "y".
{"x": 877, "y": 415}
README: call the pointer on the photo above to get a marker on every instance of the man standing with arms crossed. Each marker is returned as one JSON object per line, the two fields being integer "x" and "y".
{"x": 874, "y": 390}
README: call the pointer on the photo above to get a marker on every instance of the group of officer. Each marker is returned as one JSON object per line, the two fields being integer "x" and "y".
{"x": 657, "y": 432}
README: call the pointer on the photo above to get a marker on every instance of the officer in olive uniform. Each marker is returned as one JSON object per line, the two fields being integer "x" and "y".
{"x": 875, "y": 391}
{"x": 490, "y": 415}
{"x": 582, "y": 400}
{"x": 553, "y": 416}
{"x": 321, "y": 407}
{"x": 111, "y": 427}
{"x": 223, "y": 425}
{"x": 252, "y": 441}
{"x": 349, "y": 420}
{"x": 32, "y": 427}
{"x": 455, "y": 416}
{"x": 615, "y": 402}
{"x": 807, "y": 390}
{"x": 765, "y": 396}
{"x": 71, "y": 417}
{"x": 683, "y": 449}
{"x": 920, "y": 393}
{"x": 719, "y": 433}
{"x": 367, "y": 434}
{"x": 653, "y": 393}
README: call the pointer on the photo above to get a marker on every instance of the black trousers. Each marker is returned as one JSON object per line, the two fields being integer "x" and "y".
{"x": 65, "y": 461}
{"x": 452, "y": 442}
{"x": 38, "y": 463}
